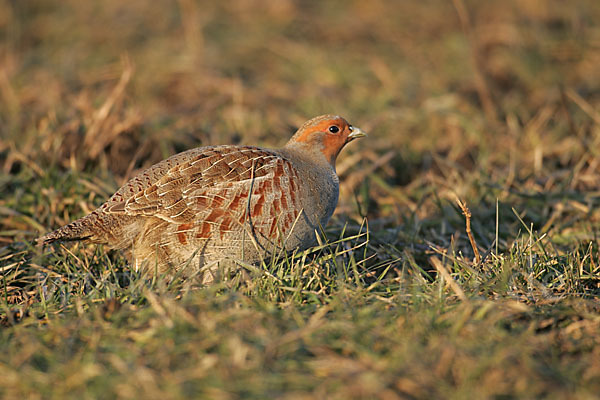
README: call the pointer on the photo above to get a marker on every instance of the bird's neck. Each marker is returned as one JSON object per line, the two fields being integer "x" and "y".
{"x": 312, "y": 154}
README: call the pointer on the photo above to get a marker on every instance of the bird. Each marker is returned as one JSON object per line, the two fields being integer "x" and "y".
{"x": 216, "y": 206}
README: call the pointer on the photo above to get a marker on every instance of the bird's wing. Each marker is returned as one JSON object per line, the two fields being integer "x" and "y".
{"x": 217, "y": 188}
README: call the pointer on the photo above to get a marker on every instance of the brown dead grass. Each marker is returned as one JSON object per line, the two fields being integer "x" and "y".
{"x": 494, "y": 103}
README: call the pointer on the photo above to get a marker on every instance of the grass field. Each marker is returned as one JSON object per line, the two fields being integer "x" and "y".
{"x": 494, "y": 105}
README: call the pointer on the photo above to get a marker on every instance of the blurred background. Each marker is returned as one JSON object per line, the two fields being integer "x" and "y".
{"x": 493, "y": 102}
{"x": 478, "y": 100}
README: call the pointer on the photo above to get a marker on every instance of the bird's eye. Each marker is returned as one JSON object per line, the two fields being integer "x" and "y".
{"x": 334, "y": 129}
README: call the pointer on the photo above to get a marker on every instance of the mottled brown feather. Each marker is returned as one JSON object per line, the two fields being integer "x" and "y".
{"x": 222, "y": 202}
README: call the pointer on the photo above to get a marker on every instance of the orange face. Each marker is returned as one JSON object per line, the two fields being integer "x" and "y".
{"x": 329, "y": 134}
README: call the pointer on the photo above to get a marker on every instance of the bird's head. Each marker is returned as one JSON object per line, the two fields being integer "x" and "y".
{"x": 327, "y": 134}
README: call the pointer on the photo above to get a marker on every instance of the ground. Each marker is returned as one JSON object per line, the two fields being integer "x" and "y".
{"x": 462, "y": 261}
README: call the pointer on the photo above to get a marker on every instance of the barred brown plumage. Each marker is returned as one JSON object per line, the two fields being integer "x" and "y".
{"x": 210, "y": 206}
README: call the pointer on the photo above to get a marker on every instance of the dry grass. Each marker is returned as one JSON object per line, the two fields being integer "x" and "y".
{"x": 493, "y": 103}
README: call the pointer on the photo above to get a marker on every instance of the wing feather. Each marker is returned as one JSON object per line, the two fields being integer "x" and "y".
{"x": 220, "y": 186}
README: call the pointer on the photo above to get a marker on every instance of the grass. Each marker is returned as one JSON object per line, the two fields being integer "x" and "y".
{"x": 493, "y": 105}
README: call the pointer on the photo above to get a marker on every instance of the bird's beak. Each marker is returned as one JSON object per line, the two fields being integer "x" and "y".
{"x": 356, "y": 133}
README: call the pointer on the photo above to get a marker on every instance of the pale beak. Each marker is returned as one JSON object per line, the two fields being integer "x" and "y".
{"x": 356, "y": 133}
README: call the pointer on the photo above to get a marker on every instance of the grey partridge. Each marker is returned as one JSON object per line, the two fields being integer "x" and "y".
{"x": 210, "y": 206}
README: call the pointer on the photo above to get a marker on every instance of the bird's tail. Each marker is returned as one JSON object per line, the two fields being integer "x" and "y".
{"x": 81, "y": 229}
